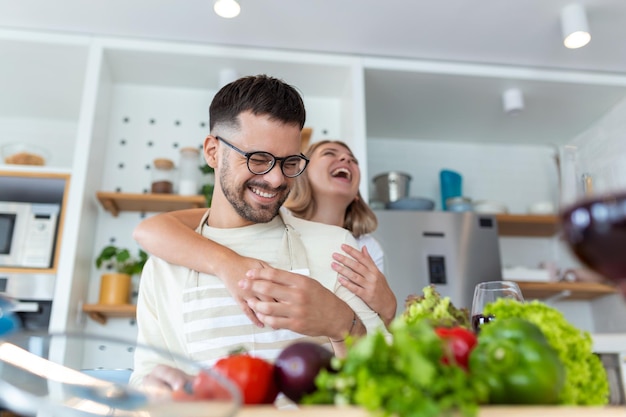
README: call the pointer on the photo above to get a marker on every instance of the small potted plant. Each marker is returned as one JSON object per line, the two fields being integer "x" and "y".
{"x": 115, "y": 287}
{"x": 207, "y": 188}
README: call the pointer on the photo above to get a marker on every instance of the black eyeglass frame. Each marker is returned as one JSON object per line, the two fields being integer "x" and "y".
{"x": 247, "y": 155}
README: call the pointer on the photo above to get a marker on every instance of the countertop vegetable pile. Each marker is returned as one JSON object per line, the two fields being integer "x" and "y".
{"x": 514, "y": 360}
{"x": 435, "y": 365}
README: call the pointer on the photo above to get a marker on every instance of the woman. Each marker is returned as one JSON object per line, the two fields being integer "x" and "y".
{"x": 327, "y": 192}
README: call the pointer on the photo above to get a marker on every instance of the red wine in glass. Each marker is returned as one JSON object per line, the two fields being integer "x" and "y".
{"x": 488, "y": 292}
{"x": 478, "y": 320}
{"x": 595, "y": 230}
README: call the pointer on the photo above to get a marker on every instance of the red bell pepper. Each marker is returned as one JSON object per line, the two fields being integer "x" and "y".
{"x": 458, "y": 345}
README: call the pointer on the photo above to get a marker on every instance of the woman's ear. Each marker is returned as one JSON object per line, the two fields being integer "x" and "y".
{"x": 210, "y": 151}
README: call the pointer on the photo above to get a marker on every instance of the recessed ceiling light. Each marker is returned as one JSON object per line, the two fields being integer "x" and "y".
{"x": 227, "y": 8}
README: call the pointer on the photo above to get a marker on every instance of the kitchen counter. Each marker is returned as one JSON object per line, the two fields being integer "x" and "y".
{"x": 609, "y": 342}
{"x": 491, "y": 411}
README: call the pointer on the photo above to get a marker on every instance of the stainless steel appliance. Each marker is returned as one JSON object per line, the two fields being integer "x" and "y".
{"x": 27, "y": 234}
{"x": 453, "y": 251}
{"x": 616, "y": 375}
{"x": 33, "y": 294}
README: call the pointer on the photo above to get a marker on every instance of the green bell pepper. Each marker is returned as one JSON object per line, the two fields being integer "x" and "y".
{"x": 517, "y": 363}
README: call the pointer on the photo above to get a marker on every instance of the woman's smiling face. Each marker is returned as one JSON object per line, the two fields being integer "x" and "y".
{"x": 333, "y": 171}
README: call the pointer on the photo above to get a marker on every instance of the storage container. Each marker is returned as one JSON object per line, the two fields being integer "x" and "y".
{"x": 163, "y": 176}
{"x": 189, "y": 168}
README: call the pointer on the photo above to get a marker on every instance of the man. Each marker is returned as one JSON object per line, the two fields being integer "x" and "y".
{"x": 254, "y": 147}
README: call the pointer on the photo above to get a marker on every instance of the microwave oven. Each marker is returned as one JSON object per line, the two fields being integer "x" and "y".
{"x": 27, "y": 234}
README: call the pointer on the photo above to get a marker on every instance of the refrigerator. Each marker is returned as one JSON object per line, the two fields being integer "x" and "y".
{"x": 452, "y": 250}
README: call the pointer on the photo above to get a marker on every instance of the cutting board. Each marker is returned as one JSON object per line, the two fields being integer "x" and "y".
{"x": 491, "y": 411}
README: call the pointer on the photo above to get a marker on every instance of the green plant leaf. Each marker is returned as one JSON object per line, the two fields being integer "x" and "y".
{"x": 123, "y": 255}
{"x": 107, "y": 253}
{"x": 206, "y": 169}
{"x": 121, "y": 260}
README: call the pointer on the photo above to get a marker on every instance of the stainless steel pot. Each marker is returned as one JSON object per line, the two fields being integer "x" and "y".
{"x": 392, "y": 186}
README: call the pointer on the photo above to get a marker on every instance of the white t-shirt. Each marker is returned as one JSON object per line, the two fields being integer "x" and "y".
{"x": 374, "y": 249}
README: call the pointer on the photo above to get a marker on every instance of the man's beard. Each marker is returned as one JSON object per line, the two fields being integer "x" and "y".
{"x": 235, "y": 196}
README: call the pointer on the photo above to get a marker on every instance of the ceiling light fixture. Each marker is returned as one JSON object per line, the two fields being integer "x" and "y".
{"x": 575, "y": 26}
{"x": 513, "y": 101}
{"x": 227, "y": 8}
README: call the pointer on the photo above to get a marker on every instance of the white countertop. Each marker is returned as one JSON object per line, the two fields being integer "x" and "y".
{"x": 609, "y": 342}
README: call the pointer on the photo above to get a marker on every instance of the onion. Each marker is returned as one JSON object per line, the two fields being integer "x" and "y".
{"x": 297, "y": 367}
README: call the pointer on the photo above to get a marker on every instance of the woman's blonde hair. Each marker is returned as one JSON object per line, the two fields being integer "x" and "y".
{"x": 359, "y": 218}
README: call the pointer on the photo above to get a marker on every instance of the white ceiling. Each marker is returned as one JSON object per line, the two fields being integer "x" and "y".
{"x": 518, "y": 41}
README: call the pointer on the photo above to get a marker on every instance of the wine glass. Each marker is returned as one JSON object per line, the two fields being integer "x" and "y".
{"x": 594, "y": 227}
{"x": 487, "y": 292}
{"x": 593, "y": 213}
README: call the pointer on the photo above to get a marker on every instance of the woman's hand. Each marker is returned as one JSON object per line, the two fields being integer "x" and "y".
{"x": 358, "y": 273}
{"x": 301, "y": 304}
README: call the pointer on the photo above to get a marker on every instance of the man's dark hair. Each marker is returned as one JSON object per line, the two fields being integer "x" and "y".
{"x": 261, "y": 95}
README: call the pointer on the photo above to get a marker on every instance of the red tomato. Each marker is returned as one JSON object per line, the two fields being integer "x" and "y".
{"x": 459, "y": 344}
{"x": 203, "y": 386}
{"x": 254, "y": 377}
{"x": 206, "y": 386}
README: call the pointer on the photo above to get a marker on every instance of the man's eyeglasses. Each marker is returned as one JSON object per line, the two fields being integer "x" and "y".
{"x": 260, "y": 162}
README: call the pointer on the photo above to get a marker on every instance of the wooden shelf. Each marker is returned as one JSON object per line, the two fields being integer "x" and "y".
{"x": 527, "y": 225}
{"x": 101, "y": 312}
{"x": 7, "y": 270}
{"x": 564, "y": 290}
{"x": 117, "y": 202}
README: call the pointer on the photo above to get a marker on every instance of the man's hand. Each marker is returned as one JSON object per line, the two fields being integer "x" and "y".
{"x": 285, "y": 300}
{"x": 163, "y": 380}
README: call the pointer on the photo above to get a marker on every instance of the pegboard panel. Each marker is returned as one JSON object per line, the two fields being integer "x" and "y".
{"x": 323, "y": 115}
{"x": 145, "y": 123}
{"x": 148, "y": 123}
{"x": 100, "y": 354}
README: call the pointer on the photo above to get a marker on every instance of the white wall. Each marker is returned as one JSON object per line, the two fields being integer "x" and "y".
{"x": 602, "y": 150}
{"x": 601, "y": 153}
{"x": 516, "y": 175}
